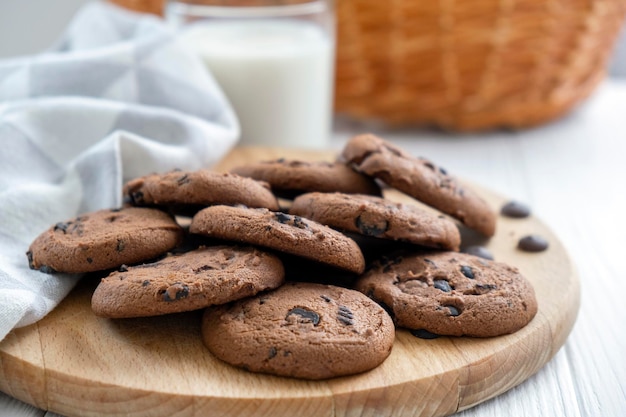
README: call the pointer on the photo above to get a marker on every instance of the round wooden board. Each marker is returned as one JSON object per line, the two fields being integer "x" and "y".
{"x": 77, "y": 364}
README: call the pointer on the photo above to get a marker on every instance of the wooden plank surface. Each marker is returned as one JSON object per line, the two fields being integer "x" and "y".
{"x": 74, "y": 363}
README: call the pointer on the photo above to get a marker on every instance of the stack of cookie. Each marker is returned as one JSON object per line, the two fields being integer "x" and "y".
{"x": 245, "y": 231}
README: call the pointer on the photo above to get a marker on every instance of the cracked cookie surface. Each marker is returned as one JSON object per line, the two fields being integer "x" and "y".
{"x": 378, "y": 217}
{"x": 421, "y": 179}
{"x": 104, "y": 239}
{"x": 301, "y": 330}
{"x": 193, "y": 280}
{"x": 187, "y": 192}
{"x": 449, "y": 293}
{"x": 289, "y": 178}
{"x": 282, "y": 232}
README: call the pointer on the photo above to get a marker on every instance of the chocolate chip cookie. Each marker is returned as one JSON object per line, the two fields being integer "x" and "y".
{"x": 421, "y": 179}
{"x": 289, "y": 178}
{"x": 378, "y": 217}
{"x": 190, "y": 281}
{"x": 282, "y": 232}
{"x": 188, "y": 192}
{"x": 449, "y": 293}
{"x": 104, "y": 239}
{"x": 301, "y": 330}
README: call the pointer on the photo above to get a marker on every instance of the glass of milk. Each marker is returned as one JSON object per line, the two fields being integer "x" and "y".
{"x": 274, "y": 62}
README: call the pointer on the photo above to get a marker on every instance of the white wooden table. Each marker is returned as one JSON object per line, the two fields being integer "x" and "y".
{"x": 573, "y": 175}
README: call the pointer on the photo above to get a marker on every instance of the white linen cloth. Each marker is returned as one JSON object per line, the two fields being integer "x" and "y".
{"x": 117, "y": 97}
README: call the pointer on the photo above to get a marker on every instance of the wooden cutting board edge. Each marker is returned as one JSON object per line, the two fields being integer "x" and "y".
{"x": 486, "y": 372}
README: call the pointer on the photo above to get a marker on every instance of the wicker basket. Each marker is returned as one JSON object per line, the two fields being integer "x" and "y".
{"x": 467, "y": 64}
{"x": 471, "y": 64}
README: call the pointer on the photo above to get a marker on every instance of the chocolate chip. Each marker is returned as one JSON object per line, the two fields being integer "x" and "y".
{"x": 203, "y": 268}
{"x": 326, "y": 298}
{"x": 61, "y": 226}
{"x": 47, "y": 269}
{"x": 89, "y": 260}
{"x": 299, "y": 223}
{"x": 123, "y": 268}
{"x": 282, "y": 217}
{"x": 443, "y": 171}
{"x": 369, "y": 229}
{"x": 467, "y": 271}
{"x": 485, "y": 288}
{"x": 442, "y": 284}
{"x": 145, "y": 283}
{"x": 29, "y": 255}
{"x": 429, "y": 165}
{"x": 345, "y": 316}
{"x": 532, "y": 243}
{"x": 515, "y": 209}
{"x": 424, "y": 334}
{"x": 272, "y": 353}
{"x": 137, "y": 197}
{"x": 430, "y": 261}
{"x": 453, "y": 310}
{"x": 480, "y": 251}
{"x": 183, "y": 180}
{"x": 120, "y": 245}
{"x": 175, "y": 292}
{"x": 307, "y": 316}
{"x": 116, "y": 210}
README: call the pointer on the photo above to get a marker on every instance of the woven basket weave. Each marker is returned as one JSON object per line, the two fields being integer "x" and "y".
{"x": 467, "y": 64}
{"x": 471, "y": 64}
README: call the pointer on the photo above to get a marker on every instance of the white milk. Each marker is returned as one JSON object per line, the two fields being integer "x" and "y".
{"x": 277, "y": 75}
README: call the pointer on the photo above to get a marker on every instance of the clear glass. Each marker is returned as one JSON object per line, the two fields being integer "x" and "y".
{"x": 274, "y": 61}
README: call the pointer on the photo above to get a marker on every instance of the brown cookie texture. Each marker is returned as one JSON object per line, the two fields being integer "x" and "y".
{"x": 450, "y": 293}
{"x": 421, "y": 179}
{"x": 104, "y": 239}
{"x": 282, "y": 232}
{"x": 188, "y": 192}
{"x": 378, "y": 217}
{"x": 190, "y": 281}
{"x": 289, "y": 178}
{"x": 301, "y": 330}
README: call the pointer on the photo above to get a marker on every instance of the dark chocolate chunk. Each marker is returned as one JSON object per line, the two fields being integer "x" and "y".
{"x": 123, "y": 268}
{"x": 442, "y": 284}
{"x": 46, "y": 269}
{"x": 203, "y": 268}
{"x": 307, "y": 316}
{"x": 29, "y": 255}
{"x": 116, "y": 210}
{"x": 467, "y": 271}
{"x": 61, "y": 226}
{"x": 480, "y": 251}
{"x": 371, "y": 229}
{"x": 136, "y": 197}
{"x": 424, "y": 334}
{"x": 282, "y": 217}
{"x": 145, "y": 283}
{"x": 453, "y": 310}
{"x": 532, "y": 243}
{"x": 299, "y": 223}
{"x": 515, "y": 209}
{"x": 272, "y": 353}
{"x": 89, "y": 260}
{"x": 120, "y": 245}
{"x": 326, "y": 298}
{"x": 183, "y": 180}
{"x": 176, "y": 292}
